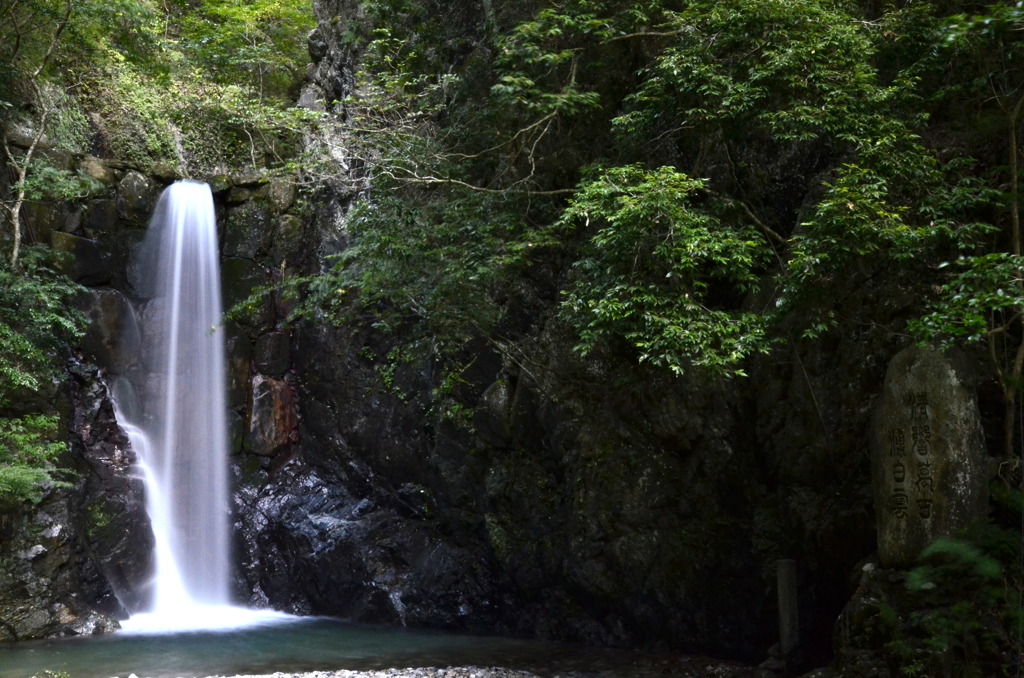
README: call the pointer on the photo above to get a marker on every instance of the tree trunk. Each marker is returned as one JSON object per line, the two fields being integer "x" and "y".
{"x": 1012, "y": 381}
{"x": 13, "y": 208}
{"x": 1015, "y": 238}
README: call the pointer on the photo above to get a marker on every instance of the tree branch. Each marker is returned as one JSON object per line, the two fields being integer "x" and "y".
{"x": 54, "y": 40}
{"x": 412, "y": 178}
{"x": 641, "y": 34}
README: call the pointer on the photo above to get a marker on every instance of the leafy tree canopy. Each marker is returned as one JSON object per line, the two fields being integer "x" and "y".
{"x": 683, "y": 158}
{"x": 202, "y": 85}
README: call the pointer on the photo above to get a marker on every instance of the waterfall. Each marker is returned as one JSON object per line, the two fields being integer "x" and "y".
{"x": 181, "y": 440}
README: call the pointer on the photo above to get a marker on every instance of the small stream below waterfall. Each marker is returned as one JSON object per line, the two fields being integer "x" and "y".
{"x": 305, "y": 644}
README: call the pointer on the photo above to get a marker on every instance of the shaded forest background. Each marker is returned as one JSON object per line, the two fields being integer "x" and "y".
{"x": 682, "y": 189}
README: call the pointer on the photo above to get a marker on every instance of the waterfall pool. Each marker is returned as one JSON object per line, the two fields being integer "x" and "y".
{"x": 299, "y": 644}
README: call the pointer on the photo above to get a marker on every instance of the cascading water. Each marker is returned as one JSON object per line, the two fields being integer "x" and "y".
{"x": 181, "y": 439}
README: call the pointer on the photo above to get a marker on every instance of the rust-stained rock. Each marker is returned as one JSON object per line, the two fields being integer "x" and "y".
{"x": 274, "y": 421}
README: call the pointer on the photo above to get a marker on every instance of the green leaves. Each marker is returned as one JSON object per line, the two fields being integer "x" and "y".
{"x": 983, "y": 297}
{"x": 963, "y": 603}
{"x": 537, "y": 62}
{"x": 432, "y": 268}
{"x": 263, "y": 39}
{"x": 28, "y": 447}
{"x": 662, "y": 272}
{"x": 737, "y": 150}
{"x": 799, "y": 70}
{"x": 36, "y": 320}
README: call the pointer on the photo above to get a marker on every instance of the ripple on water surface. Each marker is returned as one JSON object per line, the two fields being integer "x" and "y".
{"x": 204, "y": 618}
{"x": 289, "y": 644}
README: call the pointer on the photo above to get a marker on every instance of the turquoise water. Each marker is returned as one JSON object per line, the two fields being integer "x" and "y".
{"x": 300, "y": 645}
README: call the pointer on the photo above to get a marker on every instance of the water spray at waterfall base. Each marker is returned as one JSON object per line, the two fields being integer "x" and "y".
{"x": 181, "y": 438}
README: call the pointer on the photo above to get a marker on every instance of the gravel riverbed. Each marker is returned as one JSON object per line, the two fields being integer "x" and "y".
{"x": 691, "y": 667}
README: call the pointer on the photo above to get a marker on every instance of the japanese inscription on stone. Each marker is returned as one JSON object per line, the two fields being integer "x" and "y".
{"x": 912, "y": 485}
{"x": 927, "y": 455}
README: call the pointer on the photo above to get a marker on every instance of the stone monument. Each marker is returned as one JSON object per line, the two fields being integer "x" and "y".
{"x": 929, "y": 466}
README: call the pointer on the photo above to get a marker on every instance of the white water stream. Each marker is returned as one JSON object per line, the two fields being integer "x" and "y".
{"x": 181, "y": 440}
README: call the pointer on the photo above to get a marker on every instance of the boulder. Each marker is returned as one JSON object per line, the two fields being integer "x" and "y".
{"x": 136, "y": 196}
{"x": 247, "y": 230}
{"x": 112, "y": 338}
{"x": 274, "y": 419}
{"x": 86, "y": 263}
{"x": 41, "y": 219}
{"x": 929, "y": 466}
{"x": 101, "y": 215}
{"x": 96, "y": 169}
{"x": 272, "y": 354}
{"x": 22, "y": 133}
{"x": 165, "y": 171}
{"x": 281, "y": 194}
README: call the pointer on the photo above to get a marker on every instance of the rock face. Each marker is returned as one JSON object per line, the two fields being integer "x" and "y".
{"x": 929, "y": 463}
{"x": 73, "y": 564}
{"x": 336, "y": 532}
{"x": 648, "y": 513}
{"x": 42, "y": 565}
{"x": 117, "y": 533}
{"x": 577, "y": 499}
{"x": 272, "y": 416}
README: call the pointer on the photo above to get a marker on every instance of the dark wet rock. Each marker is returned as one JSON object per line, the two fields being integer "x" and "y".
{"x": 359, "y": 557}
{"x": 239, "y": 278}
{"x": 219, "y": 183}
{"x": 272, "y": 354}
{"x": 136, "y": 196}
{"x": 239, "y": 351}
{"x": 273, "y": 425}
{"x": 112, "y": 504}
{"x": 238, "y": 195}
{"x": 112, "y": 338}
{"x": 100, "y": 216}
{"x": 41, "y": 220}
{"x": 84, "y": 261}
{"x": 130, "y": 276}
{"x": 70, "y": 565}
{"x": 247, "y": 230}
{"x": 41, "y": 565}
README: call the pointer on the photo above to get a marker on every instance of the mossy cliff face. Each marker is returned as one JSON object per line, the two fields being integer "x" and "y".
{"x": 581, "y": 499}
{"x": 81, "y": 559}
{"x": 590, "y": 500}
{"x": 586, "y": 500}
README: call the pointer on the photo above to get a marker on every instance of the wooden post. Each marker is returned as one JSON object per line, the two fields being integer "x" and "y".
{"x": 789, "y": 625}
